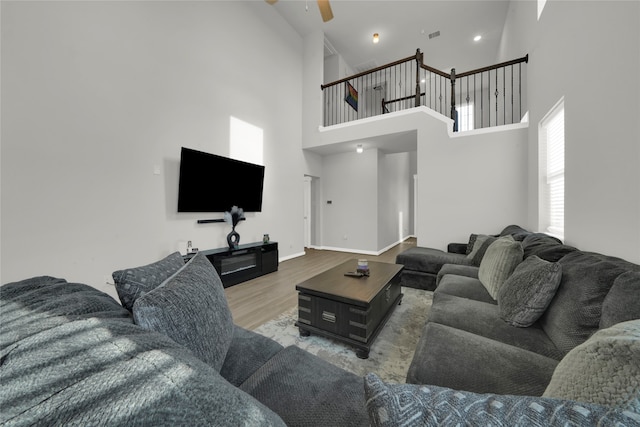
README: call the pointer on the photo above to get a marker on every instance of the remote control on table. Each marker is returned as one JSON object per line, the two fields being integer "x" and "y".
{"x": 353, "y": 274}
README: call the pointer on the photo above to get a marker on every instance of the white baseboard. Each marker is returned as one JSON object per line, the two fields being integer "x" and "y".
{"x": 296, "y": 255}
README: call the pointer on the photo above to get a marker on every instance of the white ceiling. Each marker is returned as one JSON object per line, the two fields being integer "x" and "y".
{"x": 404, "y": 26}
{"x": 400, "y": 142}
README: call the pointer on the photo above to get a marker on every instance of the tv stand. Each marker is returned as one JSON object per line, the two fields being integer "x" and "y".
{"x": 243, "y": 263}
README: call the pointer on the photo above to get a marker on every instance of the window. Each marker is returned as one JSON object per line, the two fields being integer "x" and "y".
{"x": 541, "y": 4}
{"x": 465, "y": 117}
{"x": 551, "y": 138}
{"x": 245, "y": 141}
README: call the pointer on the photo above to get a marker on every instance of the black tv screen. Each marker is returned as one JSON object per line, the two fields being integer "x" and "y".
{"x": 212, "y": 183}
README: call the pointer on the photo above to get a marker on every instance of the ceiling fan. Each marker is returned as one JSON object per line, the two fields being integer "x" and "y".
{"x": 323, "y": 5}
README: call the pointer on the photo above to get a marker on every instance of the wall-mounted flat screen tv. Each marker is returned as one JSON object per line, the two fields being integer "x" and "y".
{"x": 212, "y": 183}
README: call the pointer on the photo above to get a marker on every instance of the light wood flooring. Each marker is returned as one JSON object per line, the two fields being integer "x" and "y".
{"x": 257, "y": 301}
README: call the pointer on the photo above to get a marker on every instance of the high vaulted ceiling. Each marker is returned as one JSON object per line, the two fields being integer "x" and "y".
{"x": 404, "y": 26}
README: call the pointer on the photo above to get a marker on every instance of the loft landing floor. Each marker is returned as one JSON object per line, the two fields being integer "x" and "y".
{"x": 257, "y": 301}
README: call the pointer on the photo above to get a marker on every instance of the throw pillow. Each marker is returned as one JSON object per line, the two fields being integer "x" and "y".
{"x": 480, "y": 245}
{"x": 472, "y": 241}
{"x": 622, "y": 302}
{"x": 131, "y": 283}
{"x": 191, "y": 308}
{"x": 501, "y": 258}
{"x": 425, "y": 405}
{"x": 526, "y": 294}
{"x": 604, "y": 370}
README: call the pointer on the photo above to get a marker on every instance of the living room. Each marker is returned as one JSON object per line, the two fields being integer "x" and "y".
{"x": 98, "y": 99}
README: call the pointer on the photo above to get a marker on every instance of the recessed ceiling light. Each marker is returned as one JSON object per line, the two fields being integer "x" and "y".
{"x": 359, "y": 149}
{"x": 477, "y": 38}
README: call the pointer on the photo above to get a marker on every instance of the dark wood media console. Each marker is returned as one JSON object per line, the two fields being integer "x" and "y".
{"x": 246, "y": 262}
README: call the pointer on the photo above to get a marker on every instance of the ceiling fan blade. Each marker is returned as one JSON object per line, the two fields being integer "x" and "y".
{"x": 325, "y": 10}
{"x": 271, "y": 1}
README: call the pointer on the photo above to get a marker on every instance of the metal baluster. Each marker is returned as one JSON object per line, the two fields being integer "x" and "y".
{"x": 512, "y": 118}
{"x": 481, "y": 102}
{"x": 504, "y": 99}
{"x": 520, "y": 88}
{"x": 496, "y": 93}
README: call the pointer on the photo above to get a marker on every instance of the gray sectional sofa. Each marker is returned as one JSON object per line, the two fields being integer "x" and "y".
{"x": 171, "y": 355}
{"x": 477, "y": 339}
{"x": 71, "y": 355}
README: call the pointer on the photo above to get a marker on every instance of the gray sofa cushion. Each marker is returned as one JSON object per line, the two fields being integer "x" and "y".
{"x": 105, "y": 372}
{"x": 34, "y": 305}
{"x": 418, "y": 279}
{"x": 450, "y": 357}
{"x": 483, "y": 319}
{"x": 574, "y": 313}
{"x": 604, "y": 370}
{"x": 428, "y": 260}
{"x": 308, "y": 391}
{"x": 622, "y": 302}
{"x": 518, "y": 233}
{"x": 458, "y": 270}
{"x": 526, "y": 294}
{"x": 498, "y": 263}
{"x": 392, "y": 405}
{"x": 545, "y": 247}
{"x": 248, "y": 352}
{"x": 131, "y": 283}
{"x": 190, "y": 308}
{"x": 465, "y": 287}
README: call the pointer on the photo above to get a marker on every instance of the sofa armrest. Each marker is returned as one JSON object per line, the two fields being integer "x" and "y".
{"x": 391, "y": 405}
{"x": 457, "y": 248}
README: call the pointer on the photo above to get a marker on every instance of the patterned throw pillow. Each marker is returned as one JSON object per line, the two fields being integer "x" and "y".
{"x": 501, "y": 258}
{"x": 414, "y": 405}
{"x": 472, "y": 241}
{"x": 191, "y": 308}
{"x": 604, "y": 370}
{"x": 131, "y": 283}
{"x": 526, "y": 294}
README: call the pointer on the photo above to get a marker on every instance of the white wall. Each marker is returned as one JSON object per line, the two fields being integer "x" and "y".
{"x": 350, "y": 183}
{"x": 97, "y": 95}
{"x": 472, "y": 182}
{"x": 395, "y": 190}
{"x": 588, "y": 52}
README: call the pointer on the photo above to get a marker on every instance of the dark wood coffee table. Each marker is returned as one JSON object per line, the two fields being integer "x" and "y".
{"x": 349, "y": 309}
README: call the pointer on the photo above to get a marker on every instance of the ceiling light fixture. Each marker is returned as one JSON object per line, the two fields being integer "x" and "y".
{"x": 359, "y": 149}
{"x": 477, "y": 38}
{"x": 376, "y": 38}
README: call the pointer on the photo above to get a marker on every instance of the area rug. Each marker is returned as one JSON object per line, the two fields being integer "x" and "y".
{"x": 391, "y": 352}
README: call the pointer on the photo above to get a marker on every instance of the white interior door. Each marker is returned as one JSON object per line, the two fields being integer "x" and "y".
{"x": 307, "y": 211}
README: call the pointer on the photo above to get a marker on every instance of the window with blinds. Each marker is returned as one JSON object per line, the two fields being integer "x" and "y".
{"x": 551, "y": 135}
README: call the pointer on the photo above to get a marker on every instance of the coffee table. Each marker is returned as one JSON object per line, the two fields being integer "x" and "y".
{"x": 349, "y": 309}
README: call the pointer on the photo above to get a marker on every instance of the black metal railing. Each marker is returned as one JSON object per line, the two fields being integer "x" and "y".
{"x": 488, "y": 96}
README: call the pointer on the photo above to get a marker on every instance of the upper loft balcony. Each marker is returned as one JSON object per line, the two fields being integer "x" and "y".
{"x": 476, "y": 99}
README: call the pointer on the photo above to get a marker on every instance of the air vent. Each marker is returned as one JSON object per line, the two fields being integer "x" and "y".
{"x": 434, "y": 35}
